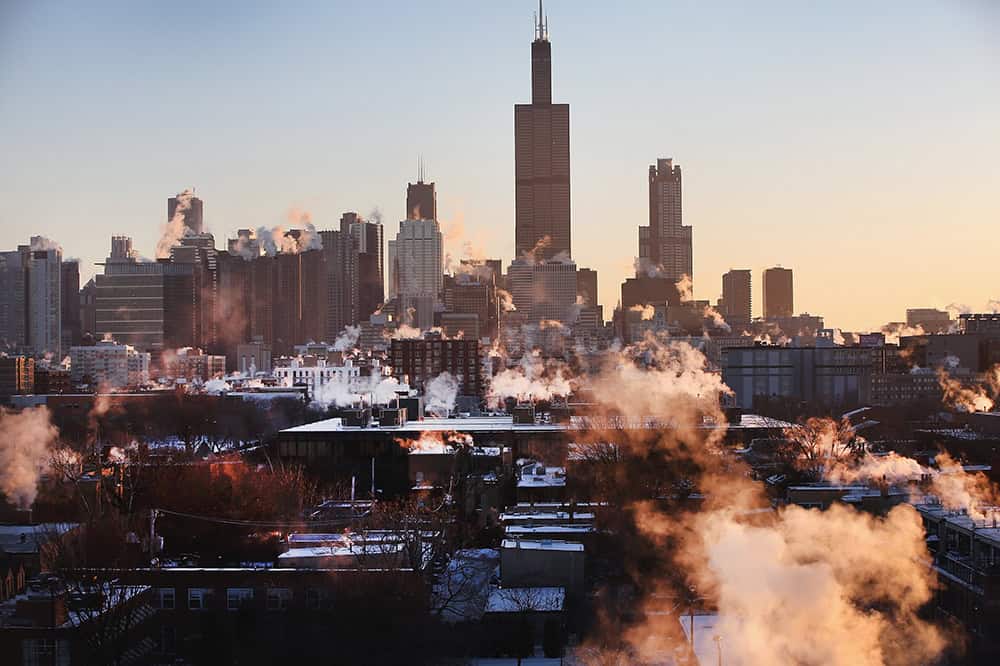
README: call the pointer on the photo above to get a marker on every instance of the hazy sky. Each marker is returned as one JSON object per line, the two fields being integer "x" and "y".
{"x": 856, "y": 142}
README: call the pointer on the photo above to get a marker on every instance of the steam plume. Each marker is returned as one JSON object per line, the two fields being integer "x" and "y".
{"x": 26, "y": 440}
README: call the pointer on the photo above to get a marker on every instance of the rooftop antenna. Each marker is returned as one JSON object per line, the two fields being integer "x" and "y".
{"x": 420, "y": 169}
{"x": 541, "y": 24}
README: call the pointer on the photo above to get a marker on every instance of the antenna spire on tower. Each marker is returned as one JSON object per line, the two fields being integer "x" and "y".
{"x": 541, "y": 24}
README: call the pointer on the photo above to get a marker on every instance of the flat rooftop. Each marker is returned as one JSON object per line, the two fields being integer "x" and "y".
{"x": 475, "y": 424}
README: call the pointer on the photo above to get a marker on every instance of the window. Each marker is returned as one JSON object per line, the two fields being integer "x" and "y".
{"x": 238, "y": 596}
{"x": 316, "y": 598}
{"x": 278, "y": 598}
{"x": 199, "y": 598}
{"x": 166, "y": 598}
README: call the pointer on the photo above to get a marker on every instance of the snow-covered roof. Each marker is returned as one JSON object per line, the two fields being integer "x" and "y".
{"x": 476, "y": 424}
{"x": 542, "y": 544}
{"x": 524, "y": 599}
{"x": 549, "y": 478}
{"x": 531, "y": 530}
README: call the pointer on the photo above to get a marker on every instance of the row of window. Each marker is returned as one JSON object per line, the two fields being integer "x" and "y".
{"x": 199, "y": 598}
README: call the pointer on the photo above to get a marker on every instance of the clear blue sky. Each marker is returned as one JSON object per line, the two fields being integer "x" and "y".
{"x": 855, "y": 142}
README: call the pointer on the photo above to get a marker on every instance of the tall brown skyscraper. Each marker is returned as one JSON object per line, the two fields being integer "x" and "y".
{"x": 778, "y": 300}
{"x": 665, "y": 245}
{"x": 541, "y": 160}
{"x": 193, "y": 214}
{"x": 736, "y": 297}
{"x": 421, "y": 198}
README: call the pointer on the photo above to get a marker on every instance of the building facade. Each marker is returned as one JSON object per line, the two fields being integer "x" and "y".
{"x": 736, "y": 304}
{"x": 665, "y": 246}
{"x": 778, "y": 298}
{"x": 416, "y": 259}
{"x": 541, "y": 162}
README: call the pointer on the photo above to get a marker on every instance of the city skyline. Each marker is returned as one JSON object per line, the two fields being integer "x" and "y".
{"x": 748, "y": 193}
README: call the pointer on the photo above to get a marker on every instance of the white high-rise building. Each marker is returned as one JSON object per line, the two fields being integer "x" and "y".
{"x": 43, "y": 283}
{"x": 109, "y": 364}
{"x": 416, "y": 260}
{"x": 544, "y": 290}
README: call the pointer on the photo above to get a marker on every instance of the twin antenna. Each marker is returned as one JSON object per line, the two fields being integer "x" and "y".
{"x": 541, "y": 24}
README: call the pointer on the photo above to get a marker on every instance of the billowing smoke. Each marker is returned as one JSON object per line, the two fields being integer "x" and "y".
{"x": 405, "y": 332}
{"x": 299, "y": 236}
{"x": 972, "y": 396}
{"x": 217, "y": 386}
{"x": 506, "y": 300}
{"x": 893, "y": 331}
{"x": 441, "y": 393}
{"x": 26, "y": 441}
{"x": 340, "y": 392}
{"x": 176, "y": 228}
{"x": 716, "y": 319}
{"x": 836, "y": 587}
{"x": 531, "y": 380}
{"x": 531, "y": 256}
{"x": 790, "y": 585}
{"x": 685, "y": 288}
{"x": 646, "y": 312}
{"x": 436, "y": 442}
{"x": 955, "y": 309}
{"x": 348, "y": 339}
{"x": 39, "y": 243}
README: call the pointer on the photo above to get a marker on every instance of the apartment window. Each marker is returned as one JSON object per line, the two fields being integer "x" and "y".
{"x": 237, "y": 596}
{"x": 278, "y": 598}
{"x": 315, "y": 598}
{"x": 166, "y": 598}
{"x": 199, "y": 598}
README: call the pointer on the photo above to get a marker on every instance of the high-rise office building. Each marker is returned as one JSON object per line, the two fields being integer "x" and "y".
{"x": 416, "y": 259}
{"x": 191, "y": 207}
{"x": 421, "y": 199}
{"x": 544, "y": 290}
{"x": 777, "y": 287}
{"x": 541, "y": 161}
{"x": 70, "y": 297}
{"x": 12, "y": 304}
{"x": 151, "y": 306}
{"x": 586, "y": 286}
{"x": 43, "y": 296}
{"x": 931, "y": 320}
{"x": 736, "y": 305}
{"x": 368, "y": 242}
{"x": 342, "y": 280}
{"x": 665, "y": 245}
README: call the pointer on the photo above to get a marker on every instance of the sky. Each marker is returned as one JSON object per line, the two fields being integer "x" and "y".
{"x": 854, "y": 142}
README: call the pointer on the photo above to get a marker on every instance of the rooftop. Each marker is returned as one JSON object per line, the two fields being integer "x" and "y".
{"x": 542, "y": 544}
{"x": 475, "y": 424}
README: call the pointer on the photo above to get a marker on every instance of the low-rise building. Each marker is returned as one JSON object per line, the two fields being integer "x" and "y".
{"x": 109, "y": 363}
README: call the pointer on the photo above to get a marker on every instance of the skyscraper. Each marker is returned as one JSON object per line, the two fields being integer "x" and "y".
{"x": 43, "y": 295}
{"x": 191, "y": 207}
{"x": 12, "y": 304}
{"x": 665, "y": 245}
{"x": 778, "y": 301}
{"x": 421, "y": 199}
{"x": 736, "y": 297}
{"x": 367, "y": 236}
{"x": 70, "y": 297}
{"x": 416, "y": 259}
{"x": 541, "y": 160}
